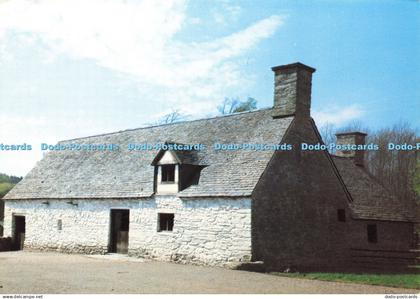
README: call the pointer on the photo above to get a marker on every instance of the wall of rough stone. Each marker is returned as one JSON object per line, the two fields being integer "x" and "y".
{"x": 294, "y": 207}
{"x": 355, "y": 138}
{"x": 294, "y": 212}
{"x": 1, "y": 216}
{"x": 292, "y": 90}
{"x": 394, "y": 236}
{"x": 206, "y": 231}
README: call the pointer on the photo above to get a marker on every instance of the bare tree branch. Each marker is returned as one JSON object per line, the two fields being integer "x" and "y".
{"x": 234, "y": 105}
{"x": 170, "y": 118}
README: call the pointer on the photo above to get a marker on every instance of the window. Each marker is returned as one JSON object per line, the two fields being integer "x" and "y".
{"x": 168, "y": 173}
{"x": 166, "y": 222}
{"x": 341, "y": 215}
{"x": 372, "y": 233}
{"x": 59, "y": 224}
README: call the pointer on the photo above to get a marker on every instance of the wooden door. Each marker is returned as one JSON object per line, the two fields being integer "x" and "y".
{"x": 119, "y": 231}
{"x": 19, "y": 232}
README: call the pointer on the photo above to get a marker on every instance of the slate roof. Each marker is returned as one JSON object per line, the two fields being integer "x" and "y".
{"x": 125, "y": 174}
{"x": 370, "y": 199}
{"x": 130, "y": 174}
{"x": 182, "y": 156}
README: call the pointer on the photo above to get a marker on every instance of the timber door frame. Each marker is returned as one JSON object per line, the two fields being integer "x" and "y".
{"x": 18, "y": 231}
{"x": 119, "y": 228}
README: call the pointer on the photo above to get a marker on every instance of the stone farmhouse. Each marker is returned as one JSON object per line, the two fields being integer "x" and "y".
{"x": 285, "y": 208}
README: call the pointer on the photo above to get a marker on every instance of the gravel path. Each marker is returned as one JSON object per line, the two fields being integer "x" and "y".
{"x": 35, "y": 272}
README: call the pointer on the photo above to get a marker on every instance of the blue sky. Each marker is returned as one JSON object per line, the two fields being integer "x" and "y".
{"x": 77, "y": 68}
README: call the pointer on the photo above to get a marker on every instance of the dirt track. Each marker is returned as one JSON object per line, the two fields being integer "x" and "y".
{"x": 32, "y": 272}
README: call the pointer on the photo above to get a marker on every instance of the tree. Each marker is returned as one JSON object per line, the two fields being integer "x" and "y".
{"x": 248, "y": 105}
{"x": 234, "y": 105}
{"x": 7, "y": 182}
{"x": 355, "y": 126}
{"x": 4, "y": 188}
{"x": 394, "y": 169}
{"x": 416, "y": 176}
{"x": 399, "y": 171}
{"x": 4, "y": 178}
{"x": 327, "y": 133}
{"x": 170, "y": 118}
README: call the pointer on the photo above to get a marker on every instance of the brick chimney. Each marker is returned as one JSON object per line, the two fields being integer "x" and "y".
{"x": 351, "y": 138}
{"x": 292, "y": 90}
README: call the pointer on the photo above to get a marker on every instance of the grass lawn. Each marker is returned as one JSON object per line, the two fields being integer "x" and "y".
{"x": 411, "y": 281}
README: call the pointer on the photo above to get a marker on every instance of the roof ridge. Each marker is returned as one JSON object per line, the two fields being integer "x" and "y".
{"x": 335, "y": 170}
{"x": 175, "y": 123}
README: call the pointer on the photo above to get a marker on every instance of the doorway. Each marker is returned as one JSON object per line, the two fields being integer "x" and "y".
{"x": 120, "y": 223}
{"x": 19, "y": 225}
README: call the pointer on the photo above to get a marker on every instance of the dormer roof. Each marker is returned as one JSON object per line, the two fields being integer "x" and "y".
{"x": 190, "y": 157}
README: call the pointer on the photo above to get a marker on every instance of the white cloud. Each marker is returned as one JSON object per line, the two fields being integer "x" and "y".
{"x": 19, "y": 162}
{"x": 226, "y": 12}
{"x": 138, "y": 38}
{"x": 31, "y": 130}
{"x": 338, "y": 116}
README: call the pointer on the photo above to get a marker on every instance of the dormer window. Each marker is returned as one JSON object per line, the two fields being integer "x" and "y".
{"x": 168, "y": 173}
{"x": 175, "y": 170}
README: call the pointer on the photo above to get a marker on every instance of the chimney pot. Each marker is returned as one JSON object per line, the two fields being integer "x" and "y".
{"x": 292, "y": 90}
{"x": 357, "y": 138}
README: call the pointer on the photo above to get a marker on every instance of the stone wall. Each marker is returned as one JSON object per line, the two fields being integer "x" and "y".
{"x": 1, "y": 216}
{"x": 352, "y": 138}
{"x": 206, "y": 231}
{"x": 292, "y": 90}
{"x": 294, "y": 212}
{"x": 390, "y": 235}
{"x": 294, "y": 208}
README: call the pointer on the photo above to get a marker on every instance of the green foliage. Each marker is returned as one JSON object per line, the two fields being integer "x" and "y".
{"x": 7, "y": 182}
{"x": 4, "y": 178}
{"x": 411, "y": 281}
{"x": 4, "y": 188}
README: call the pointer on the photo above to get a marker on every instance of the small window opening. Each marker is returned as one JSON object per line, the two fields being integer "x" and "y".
{"x": 166, "y": 222}
{"x": 372, "y": 233}
{"x": 341, "y": 215}
{"x": 59, "y": 224}
{"x": 168, "y": 173}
